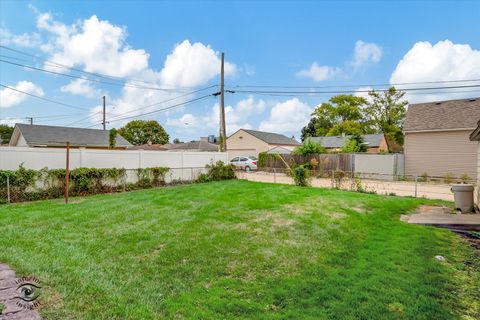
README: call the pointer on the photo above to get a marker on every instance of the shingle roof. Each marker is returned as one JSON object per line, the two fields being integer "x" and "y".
{"x": 475, "y": 135}
{"x": 193, "y": 145}
{"x": 273, "y": 138}
{"x": 443, "y": 115}
{"x": 371, "y": 140}
{"x": 146, "y": 146}
{"x": 55, "y": 136}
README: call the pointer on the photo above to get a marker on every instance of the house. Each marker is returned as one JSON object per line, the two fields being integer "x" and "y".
{"x": 194, "y": 146}
{"x": 251, "y": 142}
{"x": 475, "y": 136}
{"x": 149, "y": 146}
{"x": 375, "y": 143}
{"x": 280, "y": 150}
{"x": 437, "y": 138}
{"x": 27, "y": 135}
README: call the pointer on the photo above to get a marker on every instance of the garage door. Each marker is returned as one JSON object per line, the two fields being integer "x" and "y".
{"x": 241, "y": 152}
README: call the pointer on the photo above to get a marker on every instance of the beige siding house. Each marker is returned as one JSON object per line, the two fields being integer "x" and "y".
{"x": 251, "y": 142}
{"x": 437, "y": 138}
{"x": 475, "y": 136}
{"x": 375, "y": 143}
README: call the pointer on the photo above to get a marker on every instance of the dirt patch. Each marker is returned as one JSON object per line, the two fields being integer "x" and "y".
{"x": 276, "y": 220}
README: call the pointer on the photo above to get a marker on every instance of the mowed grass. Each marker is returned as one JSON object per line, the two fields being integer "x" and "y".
{"x": 238, "y": 249}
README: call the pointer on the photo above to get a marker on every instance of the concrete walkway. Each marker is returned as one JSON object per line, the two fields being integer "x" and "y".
{"x": 8, "y": 291}
{"x": 443, "y": 217}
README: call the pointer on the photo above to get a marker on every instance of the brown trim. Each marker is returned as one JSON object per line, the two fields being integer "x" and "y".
{"x": 475, "y": 135}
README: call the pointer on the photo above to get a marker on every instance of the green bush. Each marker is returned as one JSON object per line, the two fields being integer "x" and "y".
{"x": 300, "y": 175}
{"x": 217, "y": 172}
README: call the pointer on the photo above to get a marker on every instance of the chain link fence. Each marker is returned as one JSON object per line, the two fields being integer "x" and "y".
{"x": 30, "y": 185}
{"x": 401, "y": 185}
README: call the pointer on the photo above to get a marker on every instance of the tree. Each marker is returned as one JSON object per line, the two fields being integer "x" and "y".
{"x": 112, "y": 138}
{"x": 387, "y": 112}
{"x": 5, "y": 133}
{"x": 355, "y": 143}
{"x": 176, "y": 141}
{"x": 309, "y": 147}
{"x": 140, "y": 132}
{"x": 342, "y": 114}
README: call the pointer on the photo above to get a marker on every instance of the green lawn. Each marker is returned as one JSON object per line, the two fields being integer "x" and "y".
{"x": 239, "y": 249}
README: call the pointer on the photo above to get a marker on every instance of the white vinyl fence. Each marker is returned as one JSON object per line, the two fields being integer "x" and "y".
{"x": 379, "y": 166}
{"x": 37, "y": 158}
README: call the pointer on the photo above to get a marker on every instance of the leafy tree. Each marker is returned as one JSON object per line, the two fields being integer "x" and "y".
{"x": 140, "y": 132}
{"x": 387, "y": 112}
{"x": 5, "y": 133}
{"x": 342, "y": 114}
{"x": 176, "y": 141}
{"x": 112, "y": 138}
{"x": 355, "y": 143}
{"x": 309, "y": 147}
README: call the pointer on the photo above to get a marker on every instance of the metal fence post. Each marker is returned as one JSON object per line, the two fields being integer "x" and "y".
{"x": 416, "y": 181}
{"x": 333, "y": 179}
{"x": 191, "y": 174}
{"x": 274, "y": 175}
{"x": 8, "y": 189}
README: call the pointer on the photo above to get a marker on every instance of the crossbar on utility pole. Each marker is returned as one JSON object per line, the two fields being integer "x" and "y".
{"x": 222, "y": 104}
{"x": 104, "y": 120}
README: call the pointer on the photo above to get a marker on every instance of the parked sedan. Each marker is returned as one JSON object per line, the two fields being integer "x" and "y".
{"x": 247, "y": 163}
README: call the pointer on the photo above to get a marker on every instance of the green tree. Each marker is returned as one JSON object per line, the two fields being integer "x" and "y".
{"x": 176, "y": 141}
{"x": 309, "y": 147}
{"x": 342, "y": 114}
{"x": 5, "y": 133}
{"x": 141, "y": 131}
{"x": 387, "y": 110}
{"x": 355, "y": 143}
{"x": 112, "y": 138}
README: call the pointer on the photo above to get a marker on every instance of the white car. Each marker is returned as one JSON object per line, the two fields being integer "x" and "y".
{"x": 247, "y": 163}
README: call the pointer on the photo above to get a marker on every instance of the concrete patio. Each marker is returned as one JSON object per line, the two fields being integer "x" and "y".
{"x": 443, "y": 217}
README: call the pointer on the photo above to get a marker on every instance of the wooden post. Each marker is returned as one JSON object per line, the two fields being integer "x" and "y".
{"x": 416, "y": 181}
{"x": 67, "y": 171}
{"x": 222, "y": 103}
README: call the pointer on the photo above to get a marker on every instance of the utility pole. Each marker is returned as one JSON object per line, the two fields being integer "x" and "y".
{"x": 30, "y": 119}
{"x": 103, "y": 121}
{"x": 222, "y": 104}
{"x": 67, "y": 170}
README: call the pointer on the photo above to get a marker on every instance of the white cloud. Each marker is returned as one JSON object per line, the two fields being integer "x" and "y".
{"x": 287, "y": 117}
{"x": 443, "y": 61}
{"x": 97, "y": 45}
{"x": 191, "y": 65}
{"x": 236, "y": 117}
{"x": 26, "y": 40}
{"x": 10, "y": 98}
{"x": 81, "y": 87}
{"x": 363, "y": 92}
{"x": 319, "y": 73}
{"x": 365, "y": 53}
{"x": 12, "y": 121}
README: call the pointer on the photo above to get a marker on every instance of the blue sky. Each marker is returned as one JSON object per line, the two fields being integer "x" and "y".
{"x": 176, "y": 45}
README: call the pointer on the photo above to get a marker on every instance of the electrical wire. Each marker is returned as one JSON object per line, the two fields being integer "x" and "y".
{"x": 44, "y": 99}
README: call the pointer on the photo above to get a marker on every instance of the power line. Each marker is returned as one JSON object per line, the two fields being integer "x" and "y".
{"x": 97, "y": 74}
{"x": 279, "y": 92}
{"x": 44, "y": 99}
{"x": 87, "y": 79}
{"x": 161, "y": 110}
{"x": 354, "y": 85}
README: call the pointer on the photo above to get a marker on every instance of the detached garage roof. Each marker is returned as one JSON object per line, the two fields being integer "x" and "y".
{"x": 443, "y": 115}
{"x": 331, "y": 142}
{"x": 272, "y": 138}
{"x": 52, "y": 136}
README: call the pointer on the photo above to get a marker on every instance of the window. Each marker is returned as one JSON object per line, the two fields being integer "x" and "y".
{"x": 243, "y": 159}
{"x": 234, "y": 160}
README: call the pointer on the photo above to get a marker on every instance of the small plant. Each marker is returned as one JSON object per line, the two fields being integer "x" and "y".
{"x": 338, "y": 177}
{"x": 217, "y": 172}
{"x": 465, "y": 178}
{"x": 301, "y": 175}
{"x": 314, "y": 165}
{"x": 358, "y": 184}
{"x": 448, "y": 178}
{"x": 423, "y": 177}
{"x": 309, "y": 147}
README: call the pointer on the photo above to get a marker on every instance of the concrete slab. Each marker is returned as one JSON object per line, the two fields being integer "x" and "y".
{"x": 443, "y": 217}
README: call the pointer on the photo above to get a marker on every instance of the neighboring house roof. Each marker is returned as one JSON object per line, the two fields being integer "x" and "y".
{"x": 443, "y": 115}
{"x": 193, "y": 145}
{"x": 475, "y": 135}
{"x": 273, "y": 138}
{"x": 147, "y": 146}
{"x": 371, "y": 140}
{"x": 281, "y": 150}
{"x": 38, "y": 135}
